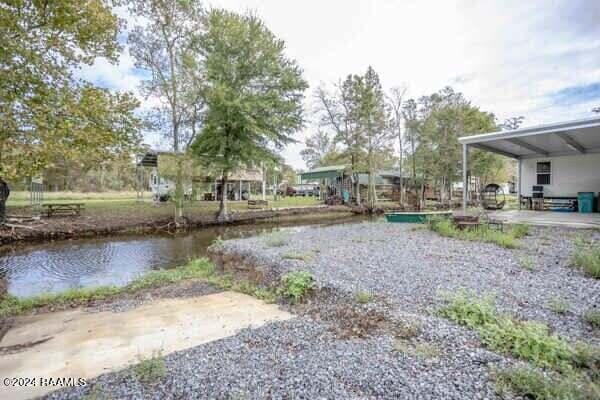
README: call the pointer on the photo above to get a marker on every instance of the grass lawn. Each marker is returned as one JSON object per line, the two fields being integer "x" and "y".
{"x": 125, "y": 204}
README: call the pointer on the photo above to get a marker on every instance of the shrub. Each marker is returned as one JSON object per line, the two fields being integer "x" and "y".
{"x": 587, "y": 257}
{"x": 528, "y": 383}
{"x": 592, "y": 317}
{"x": 296, "y": 285}
{"x": 151, "y": 369}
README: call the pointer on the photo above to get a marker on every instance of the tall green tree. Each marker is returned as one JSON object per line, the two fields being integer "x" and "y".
{"x": 373, "y": 117}
{"x": 47, "y": 114}
{"x": 44, "y": 110}
{"x": 253, "y": 94}
{"x": 162, "y": 46}
{"x": 439, "y": 121}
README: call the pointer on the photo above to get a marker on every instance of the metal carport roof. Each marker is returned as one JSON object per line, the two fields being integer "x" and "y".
{"x": 549, "y": 140}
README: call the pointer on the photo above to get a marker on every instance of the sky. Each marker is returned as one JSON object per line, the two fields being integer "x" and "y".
{"x": 537, "y": 58}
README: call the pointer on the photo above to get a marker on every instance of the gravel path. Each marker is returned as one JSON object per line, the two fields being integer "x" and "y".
{"x": 413, "y": 268}
{"x": 408, "y": 270}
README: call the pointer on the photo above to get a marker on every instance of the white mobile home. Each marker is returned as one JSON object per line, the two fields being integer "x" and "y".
{"x": 557, "y": 163}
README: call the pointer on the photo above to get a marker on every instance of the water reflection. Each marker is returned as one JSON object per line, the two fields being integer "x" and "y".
{"x": 55, "y": 267}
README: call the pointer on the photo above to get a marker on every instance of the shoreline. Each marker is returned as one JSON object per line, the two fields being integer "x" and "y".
{"x": 67, "y": 228}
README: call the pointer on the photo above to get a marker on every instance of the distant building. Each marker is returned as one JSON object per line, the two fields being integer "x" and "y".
{"x": 336, "y": 181}
{"x": 156, "y": 171}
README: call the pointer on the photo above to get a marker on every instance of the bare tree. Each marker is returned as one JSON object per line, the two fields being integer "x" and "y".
{"x": 162, "y": 46}
{"x": 318, "y": 147}
{"x": 395, "y": 101}
{"x": 512, "y": 123}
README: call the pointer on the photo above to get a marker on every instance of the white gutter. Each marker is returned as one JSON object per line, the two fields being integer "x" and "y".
{"x": 533, "y": 131}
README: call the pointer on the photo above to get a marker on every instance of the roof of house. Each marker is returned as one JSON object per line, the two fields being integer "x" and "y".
{"x": 328, "y": 172}
{"x": 549, "y": 140}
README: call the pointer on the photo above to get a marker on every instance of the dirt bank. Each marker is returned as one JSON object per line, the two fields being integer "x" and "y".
{"x": 91, "y": 224}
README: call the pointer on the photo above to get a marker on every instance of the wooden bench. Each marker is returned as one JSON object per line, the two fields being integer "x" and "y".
{"x": 257, "y": 204}
{"x": 475, "y": 221}
{"x": 63, "y": 209}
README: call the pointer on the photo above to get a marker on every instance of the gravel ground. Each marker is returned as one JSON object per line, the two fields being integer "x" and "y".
{"x": 413, "y": 268}
{"x": 408, "y": 270}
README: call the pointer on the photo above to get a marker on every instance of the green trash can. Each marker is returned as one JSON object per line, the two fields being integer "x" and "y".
{"x": 585, "y": 202}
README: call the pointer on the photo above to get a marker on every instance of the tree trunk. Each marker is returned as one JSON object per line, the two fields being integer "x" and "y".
{"x": 179, "y": 193}
{"x": 371, "y": 200}
{"x": 4, "y": 193}
{"x": 222, "y": 214}
{"x": 422, "y": 195}
{"x": 400, "y": 166}
{"x": 414, "y": 167}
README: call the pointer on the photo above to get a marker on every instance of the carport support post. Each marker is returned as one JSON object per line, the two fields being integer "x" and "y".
{"x": 465, "y": 180}
{"x": 520, "y": 168}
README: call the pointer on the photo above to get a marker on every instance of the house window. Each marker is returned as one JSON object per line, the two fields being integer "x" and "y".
{"x": 544, "y": 173}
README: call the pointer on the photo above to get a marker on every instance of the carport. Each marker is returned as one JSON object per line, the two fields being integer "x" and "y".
{"x": 556, "y": 161}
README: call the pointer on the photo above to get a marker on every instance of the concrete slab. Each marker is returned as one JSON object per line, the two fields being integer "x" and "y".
{"x": 79, "y": 344}
{"x": 549, "y": 218}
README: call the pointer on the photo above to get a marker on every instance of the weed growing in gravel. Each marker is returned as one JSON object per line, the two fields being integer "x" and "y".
{"x": 266, "y": 294}
{"x": 587, "y": 257}
{"x": 196, "y": 269}
{"x": 276, "y": 239}
{"x": 467, "y": 310}
{"x": 528, "y": 383}
{"x": 559, "y": 306}
{"x": 519, "y": 231}
{"x": 592, "y": 317}
{"x": 445, "y": 227}
{"x": 527, "y": 340}
{"x": 527, "y": 263}
{"x": 151, "y": 369}
{"x": 96, "y": 393}
{"x": 298, "y": 256}
{"x": 363, "y": 297}
{"x": 407, "y": 330}
{"x": 296, "y": 285}
{"x": 422, "y": 350}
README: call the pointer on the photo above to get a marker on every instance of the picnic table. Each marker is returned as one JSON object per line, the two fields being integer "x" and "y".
{"x": 257, "y": 204}
{"x": 52, "y": 209}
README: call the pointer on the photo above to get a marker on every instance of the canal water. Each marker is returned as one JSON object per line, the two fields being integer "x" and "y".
{"x": 116, "y": 260}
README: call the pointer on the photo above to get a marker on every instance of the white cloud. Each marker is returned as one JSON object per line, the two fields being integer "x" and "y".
{"x": 508, "y": 57}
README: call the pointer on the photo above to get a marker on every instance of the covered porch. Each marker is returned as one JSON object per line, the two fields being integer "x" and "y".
{"x": 558, "y": 168}
{"x": 530, "y": 217}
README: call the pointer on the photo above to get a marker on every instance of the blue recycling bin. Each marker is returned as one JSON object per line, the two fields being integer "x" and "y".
{"x": 585, "y": 202}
